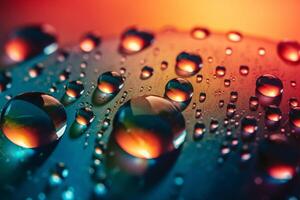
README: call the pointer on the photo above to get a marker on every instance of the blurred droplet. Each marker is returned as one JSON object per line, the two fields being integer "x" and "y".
{"x": 188, "y": 64}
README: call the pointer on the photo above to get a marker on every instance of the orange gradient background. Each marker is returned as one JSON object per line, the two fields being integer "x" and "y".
{"x": 271, "y": 19}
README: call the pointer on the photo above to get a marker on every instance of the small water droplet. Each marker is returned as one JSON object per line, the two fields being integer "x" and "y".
{"x": 164, "y": 65}
{"x": 89, "y": 42}
{"x": 261, "y": 51}
{"x": 179, "y": 91}
{"x": 5, "y": 81}
{"x": 199, "y": 131}
{"x": 146, "y": 72}
{"x": 244, "y": 70}
{"x": 188, "y": 64}
{"x": 220, "y": 71}
{"x": 133, "y": 41}
{"x": 200, "y": 33}
{"x": 273, "y": 117}
{"x": 248, "y": 128}
{"x": 84, "y": 117}
{"x": 234, "y": 36}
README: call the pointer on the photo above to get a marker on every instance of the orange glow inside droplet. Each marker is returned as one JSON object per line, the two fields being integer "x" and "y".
{"x": 71, "y": 93}
{"x": 233, "y": 36}
{"x": 249, "y": 129}
{"x": 187, "y": 65}
{"x": 274, "y": 117}
{"x": 269, "y": 90}
{"x": 81, "y": 120}
{"x": 282, "y": 172}
{"x": 24, "y": 137}
{"x": 177, "y": 95}
{"x": 296, "y": 122}
{"x": 292, "y": 55}
{"x": 106, "y": 87}
{"x": 17, "y": 49}
{"x": 199, "y": 34}
{"x": 87, "y": 45}
{"x": 132, "y": 43}
{"x": 140, "y": 143}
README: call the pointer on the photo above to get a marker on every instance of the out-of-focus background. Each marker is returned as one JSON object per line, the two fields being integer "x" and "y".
{"x": 273, "y": 19}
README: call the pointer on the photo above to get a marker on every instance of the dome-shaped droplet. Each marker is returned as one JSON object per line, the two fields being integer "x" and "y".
{"x": 179, "y": 91}
{"x": 109, "y": 85}
{"x": 273, "y": 117}
{"x": 231, "y": 109}
{"x": 83, "y": 118}
{"x": 234, "y": 36}
{"x": 188, "y": 64}
{"x": 294, "y": 116}
{"x": 29, "y": 41}
{"x": 74, "y": 90}
{"x": 289, "y": 51}
{"x": 148, "y": 127}
{"x": 253, "y": 103}
{"x": 220, "y": 71}
{"x": 199, "y": 131}
{"x": 244, "y": 70}
{"x": 199, "y": 33}
{"x": 89, "y": 42}
{"x": 269, "y": 85}
{"x": 33, "y": 119}
{"x": 146, "y": 72}
{"x": 248, "y": 128}
{"x": 133, "y": 41}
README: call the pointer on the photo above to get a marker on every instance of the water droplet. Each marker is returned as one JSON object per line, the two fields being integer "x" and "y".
{"x": 261, "y": 51}
{"x": 36, "y": 70}
{"x": 293, "y": 83}
{"x": 214, "y": 125}
{"x": 289, "y": 51}
{"x": 29, "y": 41}
{"x": 269, "y": 90}
{"x": 248, "y": 128}
{"x": 33, "y": 119}
{"x": 148, "y": 127}
{"x": 231, "y": 109}
{"x": 234, "y": 36}
{"x": 199, "y": 78}
{"x": 244, "y": 70}
{"x": 64, "y": 75}
{"x": 5, "y": 81}
{"x": 146, "y": 72}
{"x": 228, "y": 51}
{"x": 179, "y": 91}
{"x": 133, "y": 41}
{"x": 227, "y": 82}
{"x": 200, "y": 33}
{"x": 233, "y": 96}
{"x": 199, "y": 131}
{"x": 293, "y": 102}
{"x": 276, "y": 166}
{"x": 188, "y": 64}
{"x": 253, "y": 103}
{"x": 220, "y": 71}
{"x": 89, "y": 42}
{"x": 202, "y": 97}
{"x": 84, "y": 117}
{"x": 294, "y": 116}
{"x": 74, "y": 90}
{"x": 109, "y": 85}
{"x": 273, "y": 117}
{"x": 164, "y": 65}
{"x": 68, "y": 194}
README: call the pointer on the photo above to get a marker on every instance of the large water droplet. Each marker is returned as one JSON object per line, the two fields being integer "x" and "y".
{"x": 234, "y": 36}
{"x": 133, "y": 41}
{"x": 29, "y": 41}
{"x": 179, "y": 91}
{"x": 188, "y": 64}
{"x": 148, "y": 127}
{"x": 289, "y": 51}
{"x": 33, "y": 119}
